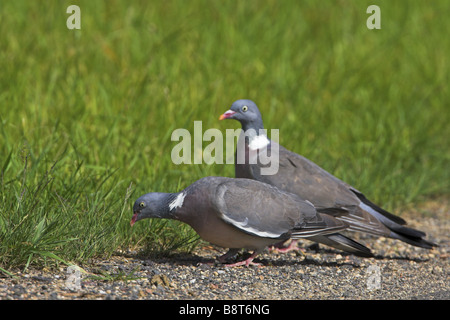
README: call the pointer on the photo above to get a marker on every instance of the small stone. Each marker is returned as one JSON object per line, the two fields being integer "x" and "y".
{"x": 160, "y": 280}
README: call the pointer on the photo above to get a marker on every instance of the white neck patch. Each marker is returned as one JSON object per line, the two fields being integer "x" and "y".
{"x": 258, "y": 142}
{"x": 177, "y": 202}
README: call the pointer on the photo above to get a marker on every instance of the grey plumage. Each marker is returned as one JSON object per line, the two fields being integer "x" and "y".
{"x": 300, "y": 176}
{"x": 244, "y": 213}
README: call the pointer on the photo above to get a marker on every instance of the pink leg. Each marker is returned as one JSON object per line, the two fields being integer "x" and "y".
{"x": 291, "y": 247}
{"x": 247, "y": 262}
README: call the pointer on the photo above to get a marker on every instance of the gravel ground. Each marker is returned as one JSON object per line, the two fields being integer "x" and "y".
{"x": 399, "y": 271}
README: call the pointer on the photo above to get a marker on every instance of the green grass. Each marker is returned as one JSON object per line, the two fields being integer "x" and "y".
{"x": 86, "y": 116}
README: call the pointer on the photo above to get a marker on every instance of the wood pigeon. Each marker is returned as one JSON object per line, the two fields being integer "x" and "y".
{"x": 302, "y": 177}
{"x": 244, "y": 213}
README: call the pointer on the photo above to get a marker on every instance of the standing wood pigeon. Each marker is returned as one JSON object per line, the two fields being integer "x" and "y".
{"x": 302, "y": 177}
{"x": 245, "y": 213}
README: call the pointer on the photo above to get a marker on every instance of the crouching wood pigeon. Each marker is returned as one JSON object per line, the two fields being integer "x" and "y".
{"x": 244, "y": 213}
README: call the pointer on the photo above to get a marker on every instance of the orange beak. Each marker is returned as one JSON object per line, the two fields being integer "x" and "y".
{"x": 227, "y": 114}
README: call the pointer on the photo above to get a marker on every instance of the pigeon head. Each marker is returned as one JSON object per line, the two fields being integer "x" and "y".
{"x": 246, "y": 112}
{"x": 151, "y": 205}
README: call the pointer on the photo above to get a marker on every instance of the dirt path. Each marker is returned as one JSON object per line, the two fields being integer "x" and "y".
{"x": 399, "y": 271}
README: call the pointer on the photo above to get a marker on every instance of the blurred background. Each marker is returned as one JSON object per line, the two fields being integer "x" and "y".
{"x": 86, "y": 116}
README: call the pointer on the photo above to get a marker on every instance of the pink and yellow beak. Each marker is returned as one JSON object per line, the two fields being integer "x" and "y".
{"x": 133, "y": 219}
{"x": 227, "y": 114}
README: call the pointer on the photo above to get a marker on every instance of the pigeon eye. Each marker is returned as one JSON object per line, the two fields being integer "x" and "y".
{"x": 244, "y": 108}
{"x": 142, "y": 204}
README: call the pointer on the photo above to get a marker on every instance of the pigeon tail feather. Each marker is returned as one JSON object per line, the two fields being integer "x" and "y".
{"x": 395, "y": 224}
{"x": 338, "y": 241}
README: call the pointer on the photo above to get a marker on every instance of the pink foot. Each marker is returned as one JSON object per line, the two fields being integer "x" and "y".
{"x": 291, "y": 247}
